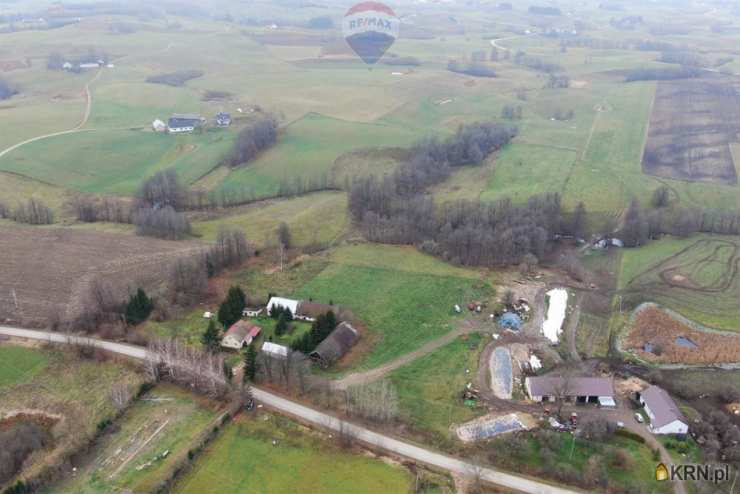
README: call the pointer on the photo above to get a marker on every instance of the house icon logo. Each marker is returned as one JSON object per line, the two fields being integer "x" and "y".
{"x": 661, "y": 472}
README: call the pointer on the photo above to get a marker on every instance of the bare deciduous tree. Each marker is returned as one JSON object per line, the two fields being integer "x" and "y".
{"x": 120, "y": 396}
{"x": 375, "y": 401}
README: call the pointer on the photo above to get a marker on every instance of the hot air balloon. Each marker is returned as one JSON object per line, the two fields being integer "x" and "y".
{"x": 370, "y": 28}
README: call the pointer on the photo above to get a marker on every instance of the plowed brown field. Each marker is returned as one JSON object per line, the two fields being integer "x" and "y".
{"x": 44, "y": 271}
{"x": 658, "y": 328}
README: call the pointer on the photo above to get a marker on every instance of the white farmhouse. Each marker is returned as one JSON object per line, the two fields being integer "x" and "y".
{"x": 285, "y": 303}
{"x": 665, "y": 417}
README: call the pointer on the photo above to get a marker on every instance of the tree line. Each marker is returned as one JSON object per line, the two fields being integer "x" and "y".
{"x": 642, "y": 225}
{"x": 473, "y": 68}
{"x": 535, "y": 63}
{"x": 394, "y": 209}
{"x": 662, "y": 74}
{"x": 32, "y": 212}
{"x": 251, "y": 141}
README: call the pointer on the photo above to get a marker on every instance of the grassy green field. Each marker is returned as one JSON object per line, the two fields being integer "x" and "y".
{"x": 696, "y": 276}
{"x": 309, "y": 147}
{"x": 19, "y": 364}
{"x": 430, "y": 388}
{"x": 270, "y": 454}
{"x": 313, "y": 219}
{"x": 572, "y": 456}
{"x": 116, "y": 161}
{"x": 402, "y": 308}
{"x": 133, "y": 457}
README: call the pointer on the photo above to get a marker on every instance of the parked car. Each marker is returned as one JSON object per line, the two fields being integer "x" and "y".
{"x": 640, "y": 419}
{"x": 620, "y": 425}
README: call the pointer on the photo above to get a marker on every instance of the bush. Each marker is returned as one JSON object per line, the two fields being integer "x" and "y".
{"x": 163, "y": 223}
{"x": 34, "y": 212}
{"x": 177, "y": 78}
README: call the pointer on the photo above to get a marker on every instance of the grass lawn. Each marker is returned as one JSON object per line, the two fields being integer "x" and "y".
{"x": 20, "y": 364}
{"x": 700, "y": 260}
{"x": 566, "y": 455}
{"x": 309, "y": 147}
{"x": 313, "y": 219}
{"x": 259, "y": 279}
{"x": 170, "y": 419}
{"x": 116, "y": 161}
{"x": 244, "y": 459}
{"x": 403, "y": 308}
{"x": 430, "y": 388}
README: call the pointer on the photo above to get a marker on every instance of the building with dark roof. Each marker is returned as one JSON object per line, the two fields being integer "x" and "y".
{"x": 665, "y": 416}
{"x": 336, "y": 345}
{"x": 223, "y": 119}
{"x": 579, "y": 389}
{"x": 184, "y": 122}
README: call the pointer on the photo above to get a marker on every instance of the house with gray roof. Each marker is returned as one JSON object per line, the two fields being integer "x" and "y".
{"x": 665, "y": 416}
{"x": 579, "y": 389}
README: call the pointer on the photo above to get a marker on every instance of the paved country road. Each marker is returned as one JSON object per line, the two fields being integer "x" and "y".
{"x": 322, "y": 419}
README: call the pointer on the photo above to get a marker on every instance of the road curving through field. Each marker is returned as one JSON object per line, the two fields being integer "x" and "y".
{"x": 325, "y": 420}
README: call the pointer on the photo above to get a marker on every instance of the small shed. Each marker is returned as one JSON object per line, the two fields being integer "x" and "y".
{"x": 336, "y": 345}
{"x": 252, "y": 311}
{"x": 223, "y": 119}
{"x": 510, "y": 320}
{"x": 159, "y": 126}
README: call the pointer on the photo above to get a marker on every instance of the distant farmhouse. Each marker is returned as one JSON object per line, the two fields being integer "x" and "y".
{"x": 336, "y": 345}
{"x": 578, "y": 389}
{"x": 181, "y": 123}
{"x": 665, "y": 417}
{"x": 223, "y": 119}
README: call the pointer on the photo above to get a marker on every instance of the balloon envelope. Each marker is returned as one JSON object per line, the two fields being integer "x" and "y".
{"x": 370, "y": 28}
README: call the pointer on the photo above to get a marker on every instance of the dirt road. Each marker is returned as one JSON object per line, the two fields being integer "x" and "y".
{"x": 380, "y": 372}
{"x": 77, "y": 128}
{"x": 571, "y": 329}
{"x": 321, "y": 419}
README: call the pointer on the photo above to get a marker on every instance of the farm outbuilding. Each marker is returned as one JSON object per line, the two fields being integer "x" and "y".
{"x": 223, "y": 119}
{"x": 579, "y": 389}
{"x": 285, "y": 303}
{"x": 336, "y": 345}
{"x": 510, "y": 320}
{"x": 665, "y": 416}
{"x": 240, "y": 333}
{"x": 275, "y": 350}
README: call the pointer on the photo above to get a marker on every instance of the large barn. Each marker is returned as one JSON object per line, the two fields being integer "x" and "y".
{"x": 336, "y": 345}
{"x": 579, "y": 389}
